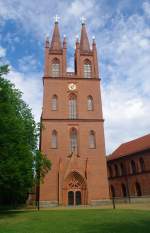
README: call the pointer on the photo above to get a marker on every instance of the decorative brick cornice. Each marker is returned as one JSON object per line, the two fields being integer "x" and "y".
{"x": 74, "y": 120}
{"x": 71, "y": 78}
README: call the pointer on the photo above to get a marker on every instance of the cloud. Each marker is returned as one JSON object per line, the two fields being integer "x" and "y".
{"x": 2, "y": 52}
{"x": 126, "y": 90}
{"x": 27, "y": 63}
{"x": 30, "y": 16}
{"x": 146, "y": 7}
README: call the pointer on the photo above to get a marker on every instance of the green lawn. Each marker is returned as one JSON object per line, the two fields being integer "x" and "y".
{"x": 76, "y": 221}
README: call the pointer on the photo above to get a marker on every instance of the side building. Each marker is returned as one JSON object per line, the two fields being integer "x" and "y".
{"x": 129, "y": 169}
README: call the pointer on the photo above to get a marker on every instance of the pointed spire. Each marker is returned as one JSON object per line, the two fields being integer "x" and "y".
{"x": 47, "y": 42}
{"x": 56, "y": 42}
{"x": 64, "y": 42}
{"x": 84, "y": 41}
{"x": 77, "y": 42}
{"x": 93, "y": 39}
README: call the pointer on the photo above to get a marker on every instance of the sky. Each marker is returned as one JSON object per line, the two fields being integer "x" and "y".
{"x": 122, "y": 32}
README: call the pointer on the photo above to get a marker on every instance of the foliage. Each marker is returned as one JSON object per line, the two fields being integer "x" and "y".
{"x": 18, "y": 144}
{"x": 42, "y": 166}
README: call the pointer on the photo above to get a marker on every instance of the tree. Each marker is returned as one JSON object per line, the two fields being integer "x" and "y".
{"x": 18, "y": 145}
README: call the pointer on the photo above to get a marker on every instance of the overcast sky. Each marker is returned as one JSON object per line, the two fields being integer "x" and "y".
{"x": 122, "y": 31}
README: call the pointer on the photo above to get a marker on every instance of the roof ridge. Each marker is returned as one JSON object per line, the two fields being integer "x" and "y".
{"x": 131, "y": 147}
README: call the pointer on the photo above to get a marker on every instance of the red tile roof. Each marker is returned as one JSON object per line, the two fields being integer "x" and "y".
{"x": 131, "y": 147}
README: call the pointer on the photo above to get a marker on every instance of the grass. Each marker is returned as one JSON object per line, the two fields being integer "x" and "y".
{"x": 75, "y": 221}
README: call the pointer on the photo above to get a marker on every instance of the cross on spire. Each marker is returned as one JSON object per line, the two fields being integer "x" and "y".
{"x": 56, "y": 18}
{"x": 83, "y": 19}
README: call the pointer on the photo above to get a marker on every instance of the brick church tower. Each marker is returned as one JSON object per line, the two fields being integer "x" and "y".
{"x": 72, "y": 135}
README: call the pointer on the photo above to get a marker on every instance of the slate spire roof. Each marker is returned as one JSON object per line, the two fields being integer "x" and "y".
{"x": 84, "y": 41}
{"x": 56, "y": 41}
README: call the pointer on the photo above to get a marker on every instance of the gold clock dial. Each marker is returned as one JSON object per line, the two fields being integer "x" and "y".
{"x": 72, "y": 87}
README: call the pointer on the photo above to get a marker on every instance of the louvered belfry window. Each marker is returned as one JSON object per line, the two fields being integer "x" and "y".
{"x": 55, "y": 68}
{"x": 87, "y": 69}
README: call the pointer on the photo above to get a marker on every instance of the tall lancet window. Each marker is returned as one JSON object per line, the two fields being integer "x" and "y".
{"x": 87, "y": 69}
{"x": 72, "y": 106}
{"x": 54, "y": 139}
{"x": 90, "y": 103}
{"x": 92, "y": 140}
{"x": 73, "y": 140}
{"x": 54, "y": 103}
{"x": 142, "y": 165}
{"x": 55, "y": 68}
{"x": 133, "y": 167}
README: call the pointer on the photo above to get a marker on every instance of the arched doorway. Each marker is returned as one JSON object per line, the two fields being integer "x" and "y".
{"x": 70, "y": 198}
{"x": 78, "y": 197}
{"x": 75, "y": 190}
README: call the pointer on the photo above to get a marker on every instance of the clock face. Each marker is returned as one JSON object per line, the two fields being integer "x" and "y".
{"x": 72, "y": 86}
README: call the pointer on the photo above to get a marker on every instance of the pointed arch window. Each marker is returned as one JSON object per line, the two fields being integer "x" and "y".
{"x": 73, "y": 140}
{"x": 133, "y": 167}
{"x": 72, "y": 106}
{"x": 138, "y": 189}
{"x": 110, "y": 171}
{"x": 122, "y": 170}
{"x": 116, "y": 170}
{"x": 124, "y": 190}
{"x": 54, "y": 103}
{"x": 142, "y": 164}
{"x": 112, "y": 189}
{"x": 90, "y": 105}
{"x": 54, "y": 139}
{"x": 92, "y": 140}
{"x": 87, "y": 69}
{"x": 55, "y": 68}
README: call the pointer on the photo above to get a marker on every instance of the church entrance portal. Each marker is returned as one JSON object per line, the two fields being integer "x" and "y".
{"x": 75, "y": 189}
{"x": 74, "y": 198}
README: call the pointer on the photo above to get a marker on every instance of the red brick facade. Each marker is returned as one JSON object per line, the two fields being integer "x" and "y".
{"x": 72, "y": 136}
{"x": 129, "y": 169}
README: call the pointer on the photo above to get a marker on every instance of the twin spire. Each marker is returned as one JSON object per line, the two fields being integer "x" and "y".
{"x": 84, "y": 41}
{"x": 56, "y": 41}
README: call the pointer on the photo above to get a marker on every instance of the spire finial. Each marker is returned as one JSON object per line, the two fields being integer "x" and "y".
{"x": 64, "y": 42}
{"x": 83, "y": 19}
{"x": 77, "y": 38}
{"x": 47, "y": 36}
{"x": 47, "y": 41}
{"x": 56, "y": 18}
